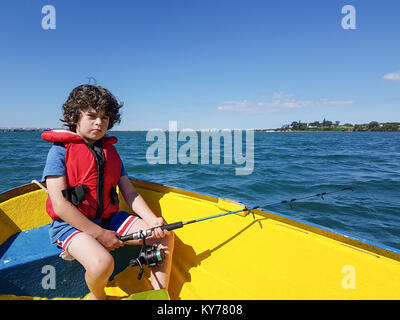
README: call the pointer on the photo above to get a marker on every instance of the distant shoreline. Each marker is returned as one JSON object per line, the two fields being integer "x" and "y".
{"x": 255, "y": 130}
{"x": 288, "y": 131}
{"x": 373, "y": 126}
{"x": 327, "y": 125}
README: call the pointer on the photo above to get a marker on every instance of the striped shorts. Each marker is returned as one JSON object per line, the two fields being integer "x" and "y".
{"x": 120, "y": 222}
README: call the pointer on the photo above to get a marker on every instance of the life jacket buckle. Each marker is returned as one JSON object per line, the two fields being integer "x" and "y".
{"x": 114, "y": 196}
{"x": 75, "y": 194}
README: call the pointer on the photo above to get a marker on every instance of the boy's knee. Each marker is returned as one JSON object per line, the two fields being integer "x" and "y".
{"x": 101, "y": 265}
{"x": 168, "y": 240}
{"x": 171, "y": 237}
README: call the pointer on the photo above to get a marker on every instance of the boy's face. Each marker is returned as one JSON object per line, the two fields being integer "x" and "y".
{"x": 92, "y": 125}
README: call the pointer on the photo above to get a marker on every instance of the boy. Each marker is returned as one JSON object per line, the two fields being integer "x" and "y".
{"x": 82, "y": 171}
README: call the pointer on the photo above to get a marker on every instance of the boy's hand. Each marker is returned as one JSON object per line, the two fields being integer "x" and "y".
{"x": 108, "y": 239}
{"x": 157, "y": 232}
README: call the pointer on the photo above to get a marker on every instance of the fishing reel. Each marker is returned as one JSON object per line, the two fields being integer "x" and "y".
{"x": 148, "y": 255}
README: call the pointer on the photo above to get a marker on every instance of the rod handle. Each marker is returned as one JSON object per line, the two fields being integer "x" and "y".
{"x": 147, "y": 233}
{"x": 172, "y": 226}
{"x": 135, "y": 235}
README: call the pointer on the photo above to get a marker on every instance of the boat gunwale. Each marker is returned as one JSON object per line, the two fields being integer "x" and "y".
{"x": 348, "y": 239}
{"x": 343, "y": 237}
{"x": 18, "y": 191}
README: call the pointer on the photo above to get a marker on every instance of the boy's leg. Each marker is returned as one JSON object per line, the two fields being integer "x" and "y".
{"x": 159, "y": 275}
{"x": 97, "y": 261}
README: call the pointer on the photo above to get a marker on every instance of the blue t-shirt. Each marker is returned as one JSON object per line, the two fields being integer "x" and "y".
{"x": 55, "y": 164}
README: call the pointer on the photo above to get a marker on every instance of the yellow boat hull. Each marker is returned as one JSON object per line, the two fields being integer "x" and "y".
{"x": 268, "y": 256}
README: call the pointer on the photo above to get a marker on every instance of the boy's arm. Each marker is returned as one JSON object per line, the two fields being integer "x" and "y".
{"x": 70, "y": 214}
{"x": 135, "y": 201}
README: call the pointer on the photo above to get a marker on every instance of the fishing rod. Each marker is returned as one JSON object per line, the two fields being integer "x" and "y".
{"x": 152, "y": 256}
{"x": 142, "y": 234}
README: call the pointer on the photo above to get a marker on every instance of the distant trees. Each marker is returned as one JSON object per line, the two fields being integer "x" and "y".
{"x": 327, "y": 125}
{"x": 376, "y": 126}
{"x": 373, "y": 125}
{"x": 390, "y": 126}
{"x": 314, "y": 124}
{"x": 298, "y": 125}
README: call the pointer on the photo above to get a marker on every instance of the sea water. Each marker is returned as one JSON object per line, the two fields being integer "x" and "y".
{"x": 286, "y": 165}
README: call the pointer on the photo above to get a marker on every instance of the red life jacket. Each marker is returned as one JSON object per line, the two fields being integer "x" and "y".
{"x": 92, "y": 174}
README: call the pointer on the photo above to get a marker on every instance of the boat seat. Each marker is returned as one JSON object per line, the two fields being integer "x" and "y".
{"x": 30, "y": 255}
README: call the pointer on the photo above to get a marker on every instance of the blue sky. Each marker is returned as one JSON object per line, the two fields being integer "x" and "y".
{"x": 206, "y": 64}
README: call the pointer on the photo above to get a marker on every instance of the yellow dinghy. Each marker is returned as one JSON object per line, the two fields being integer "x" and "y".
{"x": 260, "y": 256}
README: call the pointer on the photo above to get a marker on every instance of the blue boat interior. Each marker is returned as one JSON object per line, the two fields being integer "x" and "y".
{"x": 28, "y": 261}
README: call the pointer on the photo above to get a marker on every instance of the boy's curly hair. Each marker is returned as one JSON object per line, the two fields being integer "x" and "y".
{"x": 85, "y": 96}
